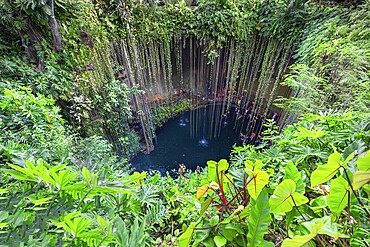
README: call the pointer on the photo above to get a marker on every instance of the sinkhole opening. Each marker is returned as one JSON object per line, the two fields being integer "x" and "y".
{"x": 205, "y": 133}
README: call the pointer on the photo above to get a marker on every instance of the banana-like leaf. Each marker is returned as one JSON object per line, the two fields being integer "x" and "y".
{"x": 360, "y": 179}
{"x": 282, "y": 199}
{"x": 338, "y": 196}
{"x": 259, "y": 220}
{"x": 259, "y": 180}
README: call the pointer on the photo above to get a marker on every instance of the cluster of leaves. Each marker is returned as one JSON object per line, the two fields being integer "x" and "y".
{"x": 332, "y": 69}
{"x": 56, "y": 187}
{"x": 214, "y": 22}
{"x": 161, "y": 114}
{"x": 56, "y": 80}
{"x": 310, "y": 187}
{"x": 300, "y": 190}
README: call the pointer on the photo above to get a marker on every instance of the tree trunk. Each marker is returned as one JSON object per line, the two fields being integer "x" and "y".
{"x": 54, "y": 29}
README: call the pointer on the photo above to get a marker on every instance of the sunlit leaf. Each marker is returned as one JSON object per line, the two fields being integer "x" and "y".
{"x": 325, "y": 172}
{"x": 215, "y": 169}
{"x": 87, "y": 174}
{"x": 291, "y": 172}
{"x": 185, "y": 238}
{"x": 259, "y": 220}
{"x": 298, "y": 241}
{"x": 205, "y": 205}
{"x": 259, "y": 180}
{"x": 360, "y": 178}
{"x": 220, "y": 241}
{"x": 338, "y": 196}
{"x": 363, "y": 163}
{"x": 250, "y": 166}
{"x": 311, "y": 134}
{"x": 328, "y": 227}
{"x": 282, "y": 199}
{"x": 201, "y": 191}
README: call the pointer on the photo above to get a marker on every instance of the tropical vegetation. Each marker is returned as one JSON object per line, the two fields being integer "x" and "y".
{"x": 78, "y": 77}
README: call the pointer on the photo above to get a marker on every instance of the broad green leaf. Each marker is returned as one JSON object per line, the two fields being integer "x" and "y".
{"x": 357, "y": 146}
{"x": 223, "y": 165}
{"x": 200, "y": 236}
{"x": 363, "y": 163}
{"x": 318, "y": 203}
{"x": 360, "y": 179}
{"x": 212, "y": 175}
{"x": 325, "y": 172}
{"x": 291, "y": 172}
{"x": 299, "y": 199}
{"x": 311, "y": 134}
{"x": 328, "y": 227}
{"x": 228, "y": 233}
{"x": 259, "y": 180}
{"x": 87, "y": 174}
{"x": 298, "y": 241}
{"x": 250, "y": 166}
{"x": 219, "y": 241}
{"x": 102, "y": 222}
{"x": 338, "y": 196}
{"x": 282, "y": 199}
{"x": 185, "y": 238}
{"x": 236, "y": 227}
{"x": 259, "y": 220}
{"x": 215, "y": 169}
{"x": 3, "y": 215}
{"x": 205, "y": 205}
{"x": 201, "y": 191}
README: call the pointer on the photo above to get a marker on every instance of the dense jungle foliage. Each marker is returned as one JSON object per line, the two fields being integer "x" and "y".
{"x": 65, "y": 140}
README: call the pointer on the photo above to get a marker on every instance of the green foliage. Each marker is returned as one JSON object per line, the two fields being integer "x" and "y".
{"x": 259, "y": 220}
{"x": 33, "y": 124}
{"x": 325, "y": 172}
{"x": 162, "y": 113}
{"x": 321, "y": 202}
{"x": 310, "y": 187}
{"x": 133, "y": 236}
{"x": 332, "y": 62}
{"x": 285, "y": 197}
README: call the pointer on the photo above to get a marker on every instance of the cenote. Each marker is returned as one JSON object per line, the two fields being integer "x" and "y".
{"x": 192, "y": 138}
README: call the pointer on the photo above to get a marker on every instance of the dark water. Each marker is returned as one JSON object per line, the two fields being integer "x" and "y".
{"x": 177, "y": 144}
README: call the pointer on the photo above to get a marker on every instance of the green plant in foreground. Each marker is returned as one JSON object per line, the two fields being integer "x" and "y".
{"x": 238, "y": 209}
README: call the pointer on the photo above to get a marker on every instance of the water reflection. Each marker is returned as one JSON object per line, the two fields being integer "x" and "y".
{"x": 192, "y": 138}
{"x": 203, "y": 143}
